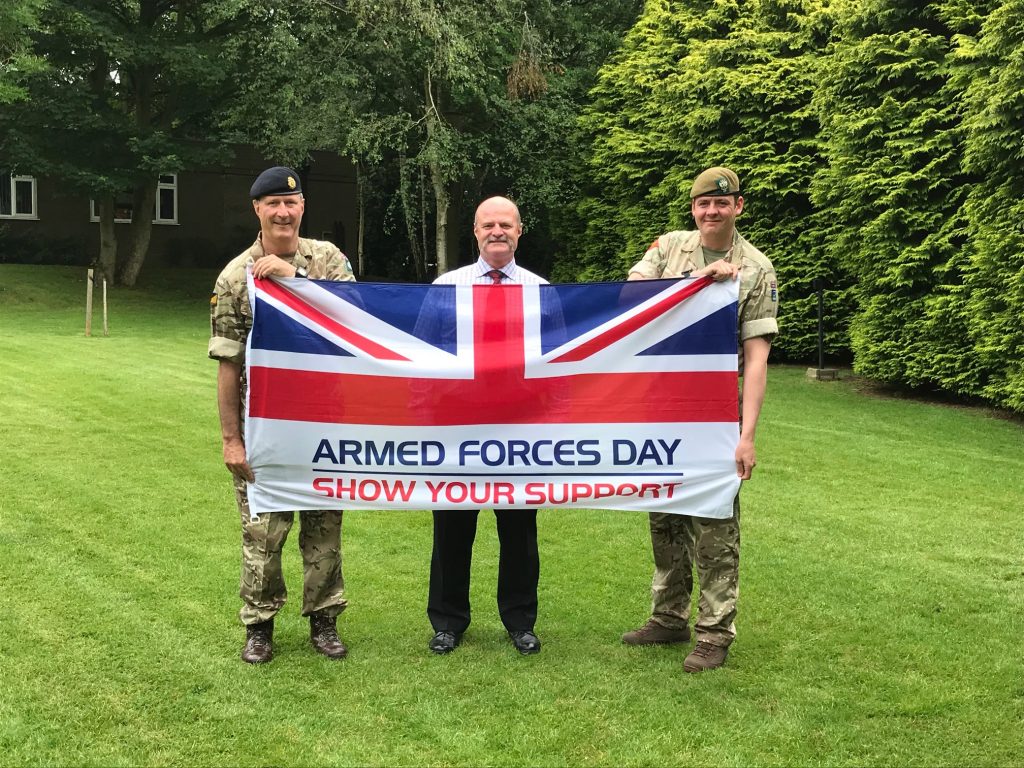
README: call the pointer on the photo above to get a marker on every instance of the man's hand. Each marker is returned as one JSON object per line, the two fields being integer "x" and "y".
{"x": 270, "y": 265}
{"x": 718, "y": 271}
{"x": 234, "y": 459}
{"x": 746, "y": 459}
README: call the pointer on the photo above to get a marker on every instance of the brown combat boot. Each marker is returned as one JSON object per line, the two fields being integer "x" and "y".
{"x": 259, "y": 642}
{"x": 705, "y": 656}
{"x": 652, "y": 633}
{"x": 323, "y": 635}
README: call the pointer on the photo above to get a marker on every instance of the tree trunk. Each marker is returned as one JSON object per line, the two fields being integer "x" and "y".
{"x": 361, "y": 230}
{"x": 143, "y": 202}
{"x": 476, "y": 198}
{"x": 142, "y": 79}
{"x": 424, "y": 238}
{"x": 437, "y": 179}
{"x": 441, "y": 202}
{"x": 410, "y": 217}
{"x": 108, "y": 236}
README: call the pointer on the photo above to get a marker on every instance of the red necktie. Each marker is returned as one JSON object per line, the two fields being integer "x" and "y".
{"x": 492, "y": 339}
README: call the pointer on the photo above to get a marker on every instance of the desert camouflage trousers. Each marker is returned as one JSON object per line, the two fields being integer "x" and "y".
{"x": 680, "y": 543}
{"x": 262, "y": 587}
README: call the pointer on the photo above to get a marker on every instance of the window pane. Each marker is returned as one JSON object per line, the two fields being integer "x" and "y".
{"x": 5, "y": 195}
{"x": 23, "y": 198}
{"x": 123, "y": 205}
{"x": 167, "y": 178}
{"x": 165, "y": 205}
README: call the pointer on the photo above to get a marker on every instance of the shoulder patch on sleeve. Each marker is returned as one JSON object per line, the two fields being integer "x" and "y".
{"x": 213, "y": 299}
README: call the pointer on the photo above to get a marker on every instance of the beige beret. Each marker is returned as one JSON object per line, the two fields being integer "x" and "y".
{"x": 715, "y": 181}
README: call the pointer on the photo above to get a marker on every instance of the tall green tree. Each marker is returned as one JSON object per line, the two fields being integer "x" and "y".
{"x": 629, "y": 151}
{"x": 17, "y": 19}
{"x": 893, "y": 187}
{"x": 437, "y": 104}
{"x": 131, "y": 91}
{"x": 533, "y": 149}
{"x": 995, "y": 204}
{"x": 713, "y": 82}
{"x": 444, "y": 64}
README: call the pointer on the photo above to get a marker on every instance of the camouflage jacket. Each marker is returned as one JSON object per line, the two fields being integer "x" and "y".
{"x": 676, "y": 253}
{"x": 230, "y": 313}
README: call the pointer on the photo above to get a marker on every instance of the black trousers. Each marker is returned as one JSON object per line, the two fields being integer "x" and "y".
{"x": 518, "y": 568}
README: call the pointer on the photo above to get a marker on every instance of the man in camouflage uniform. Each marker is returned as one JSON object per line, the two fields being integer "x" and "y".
{"x": 680, "y": 542}
{"x": 278, "y": 250}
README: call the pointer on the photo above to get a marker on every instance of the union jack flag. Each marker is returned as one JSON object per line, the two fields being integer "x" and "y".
{"x": 603, "y": 383}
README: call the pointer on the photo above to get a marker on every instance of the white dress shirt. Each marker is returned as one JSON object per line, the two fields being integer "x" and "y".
{"x": 477, "y": 274}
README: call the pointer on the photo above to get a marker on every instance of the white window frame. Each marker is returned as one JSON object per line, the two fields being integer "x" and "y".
{"x": 94, "y": 214}
{"x": 171, "y": 184}
{"x": 12, "y": 180}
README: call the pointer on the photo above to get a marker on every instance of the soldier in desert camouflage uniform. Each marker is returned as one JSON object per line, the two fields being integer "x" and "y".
{"x": 680, "y": 542}
{"x": 278, "y": 203}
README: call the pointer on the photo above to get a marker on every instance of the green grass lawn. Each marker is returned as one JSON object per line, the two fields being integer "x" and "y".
{"x": 881, "y": 611}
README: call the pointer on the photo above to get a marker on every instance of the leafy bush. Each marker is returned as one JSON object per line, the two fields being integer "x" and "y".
{"x": 22, "y": 249}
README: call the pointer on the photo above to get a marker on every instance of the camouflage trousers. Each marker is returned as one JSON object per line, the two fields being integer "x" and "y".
{"x": 680, "y": 543}
{"x": 262, "y": 587}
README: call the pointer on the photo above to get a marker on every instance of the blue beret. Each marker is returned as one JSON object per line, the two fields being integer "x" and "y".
{"x": 278, "y": 180}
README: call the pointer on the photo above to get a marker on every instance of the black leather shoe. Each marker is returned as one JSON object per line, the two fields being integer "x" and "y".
{"x": 444, "y": 642}
{"x": 525, "y": 641}
{"x": 259, "y": 642}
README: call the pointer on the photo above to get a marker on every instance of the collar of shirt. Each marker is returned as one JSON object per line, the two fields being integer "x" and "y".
{"x": 302, "y": 249}
{"x": 509, "y": 271}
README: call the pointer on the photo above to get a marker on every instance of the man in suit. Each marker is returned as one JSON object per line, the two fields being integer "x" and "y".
{"x": 497, "y": 227}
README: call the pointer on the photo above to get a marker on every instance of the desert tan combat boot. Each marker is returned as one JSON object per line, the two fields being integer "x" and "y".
{"x": 705, "y": 656}
{"x": 652, "y": 633}
{"x": 323, "y": 635}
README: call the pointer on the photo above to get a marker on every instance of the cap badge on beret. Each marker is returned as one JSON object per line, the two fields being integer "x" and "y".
{"x": 715, "y": 181}
{"x": 291, "y": 182}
